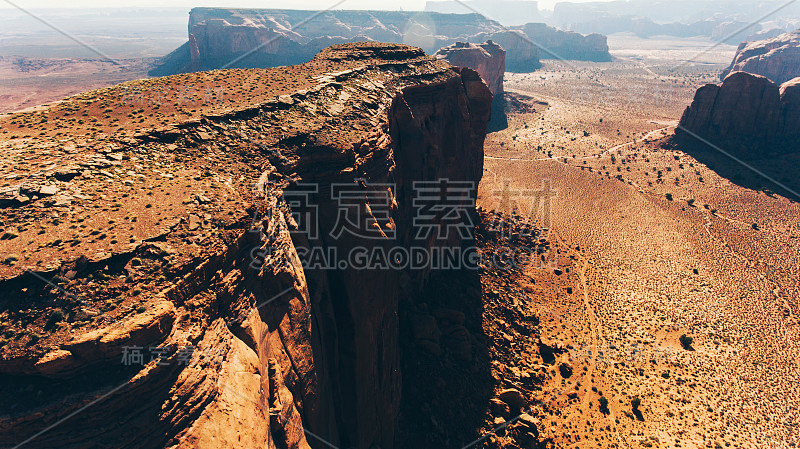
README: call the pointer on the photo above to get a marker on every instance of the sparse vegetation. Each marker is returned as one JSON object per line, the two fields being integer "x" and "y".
{"x": 686, "y": 341}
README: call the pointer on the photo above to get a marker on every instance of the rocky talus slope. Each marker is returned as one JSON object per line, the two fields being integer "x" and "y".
{"x": 749, "y": 112}
{"x": 777, "y": 58}
{"x": 154, "y": 290}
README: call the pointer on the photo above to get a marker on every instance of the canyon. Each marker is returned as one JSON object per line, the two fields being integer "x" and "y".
{"x": 216, "y": 259}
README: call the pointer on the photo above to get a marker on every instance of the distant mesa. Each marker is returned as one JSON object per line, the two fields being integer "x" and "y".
{"x": 559, "y": 44}
{"x": 777, "y": 58}
{"x": 261, "y": 38}
{"x": 718, "y": 30}
{"x": 718, "y": 21}
{"x": 507, "y": 12}
{"x": 748, "y": 111}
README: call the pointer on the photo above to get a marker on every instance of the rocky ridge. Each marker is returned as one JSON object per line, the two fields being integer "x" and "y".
{"x": 183, "y": 237}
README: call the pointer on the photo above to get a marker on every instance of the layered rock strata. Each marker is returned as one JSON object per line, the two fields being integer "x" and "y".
{"x": 488, "y": 59}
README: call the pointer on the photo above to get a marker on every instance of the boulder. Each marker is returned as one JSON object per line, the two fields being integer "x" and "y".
{"x": 513, "y": 398}
{"x": 565, "y": 369}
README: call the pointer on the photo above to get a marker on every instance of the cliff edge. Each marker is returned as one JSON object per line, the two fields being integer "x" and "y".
{"x": 160, "y": 272}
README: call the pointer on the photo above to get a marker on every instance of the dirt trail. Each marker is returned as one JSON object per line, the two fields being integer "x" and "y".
{"x": 598, "y": 341}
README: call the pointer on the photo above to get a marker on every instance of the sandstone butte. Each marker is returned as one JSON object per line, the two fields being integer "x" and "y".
{"x": 488, "y": 59}
{"x": 749, "y": 112}
{"x": 777, "y": 59}
{"x": 136, "y": 226}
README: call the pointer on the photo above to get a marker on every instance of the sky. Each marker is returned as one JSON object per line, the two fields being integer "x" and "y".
{"x": 282, "y": 4}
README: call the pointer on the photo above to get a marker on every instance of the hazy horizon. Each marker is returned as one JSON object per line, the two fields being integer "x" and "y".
{"x": 408, "y": 5}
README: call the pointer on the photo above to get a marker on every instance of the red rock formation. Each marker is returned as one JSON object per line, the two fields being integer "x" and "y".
{"x": 488, "y": 59}
{"x": 286, "y": 355}
{"x": 790, "y": 108}
{"x": 745, "y": 107}
{"x": 777, "y": 59}
{"x": 522, "y": 55}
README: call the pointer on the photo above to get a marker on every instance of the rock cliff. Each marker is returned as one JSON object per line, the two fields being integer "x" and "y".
{"x": 747, "y": 109}
{"x": 161, "y": 289}
{"x": 488, "y": 59}
{"x": 221, "y": 38}
{"x": 777, "y": 59}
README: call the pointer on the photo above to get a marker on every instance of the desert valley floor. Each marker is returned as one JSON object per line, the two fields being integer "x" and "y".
{"x": 658, "y": 245}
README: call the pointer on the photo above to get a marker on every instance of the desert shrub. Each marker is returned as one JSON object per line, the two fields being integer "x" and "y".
{"x": 56, "y": 316}
{"x": 603, "y": 404}
{"x": 686, "y": 341}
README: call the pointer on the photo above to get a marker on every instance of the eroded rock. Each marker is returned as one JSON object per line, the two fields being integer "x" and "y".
{"x": 777, "y": 59}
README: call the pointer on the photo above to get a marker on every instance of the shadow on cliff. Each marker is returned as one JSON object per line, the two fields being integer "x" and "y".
{"x": 777, "y": 161}
{"x": 445, "y": 365}
{"x": 499, "y": 120}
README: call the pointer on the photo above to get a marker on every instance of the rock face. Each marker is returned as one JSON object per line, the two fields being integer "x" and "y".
{"x": 222, "y": 38}
{"x": 286, "y": 353}
{"x": 746, "y": 108}
{"x": 488, "y": 59}
{"x": 777, "y": 59}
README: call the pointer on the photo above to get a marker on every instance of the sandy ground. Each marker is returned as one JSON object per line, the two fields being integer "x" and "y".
{"x": 29, "y": 82}
{"x": 717, "y": 262}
